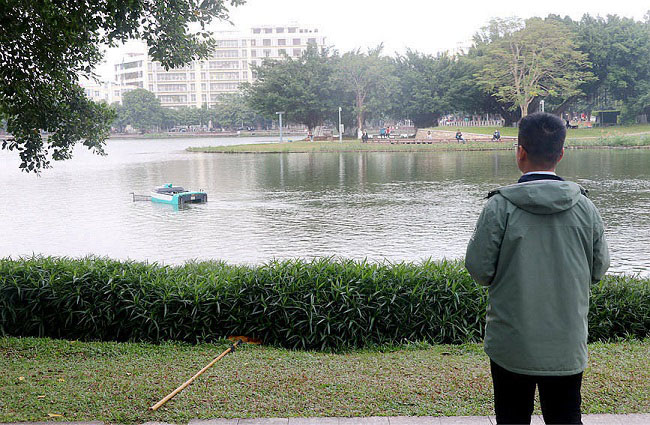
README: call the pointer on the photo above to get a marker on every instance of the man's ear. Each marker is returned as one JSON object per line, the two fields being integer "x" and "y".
{"x": 521, "y": 153}
{"x": 561, "y": 155}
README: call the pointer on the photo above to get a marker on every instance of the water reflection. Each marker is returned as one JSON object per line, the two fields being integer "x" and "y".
{"x": 396, "y": 206}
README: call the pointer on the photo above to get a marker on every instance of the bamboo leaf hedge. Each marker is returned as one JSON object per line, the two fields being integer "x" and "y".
{"x": 324, "y": 304}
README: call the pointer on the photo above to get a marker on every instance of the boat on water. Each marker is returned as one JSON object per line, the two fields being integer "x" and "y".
{"x": 176, "y": 195}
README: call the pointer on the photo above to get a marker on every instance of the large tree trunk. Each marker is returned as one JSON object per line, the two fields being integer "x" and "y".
{"x": 360, "y": 117}
{"x": 524, "y": 109}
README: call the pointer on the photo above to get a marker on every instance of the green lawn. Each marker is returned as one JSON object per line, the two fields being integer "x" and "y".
{"x": 578, "y": 133}
{"x": 117, "y": 382}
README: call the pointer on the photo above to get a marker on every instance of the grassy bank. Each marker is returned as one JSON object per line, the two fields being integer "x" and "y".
{"x": 325, "y": 304}
{"x": 572, "y": 133}
{"x": 117, "y": 382}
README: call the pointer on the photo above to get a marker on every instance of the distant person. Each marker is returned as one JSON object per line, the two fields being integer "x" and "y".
{"x": 388, "y": 132}
{"x": 382, "y": 133}
{"x": 310, "y": 136}
{"x": 496, "y": 136}
{"x": 459, "y": 137}
{"x": 538, "y": 246}
{"x": 429, "y": 136}
{"x": 364, "y": 137}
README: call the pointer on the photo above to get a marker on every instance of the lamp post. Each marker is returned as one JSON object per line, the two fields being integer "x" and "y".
{"x": 340, "y": 126}
{"x": 280, "y": 114}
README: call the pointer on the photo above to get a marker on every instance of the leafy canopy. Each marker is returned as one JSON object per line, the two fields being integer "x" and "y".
{"x": 537, "y": 58}
{"x": 300, "y": 87}
{"x": 47, "y": 45}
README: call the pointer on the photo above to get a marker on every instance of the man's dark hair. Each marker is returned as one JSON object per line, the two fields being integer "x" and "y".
{"x": 542, "y": 136}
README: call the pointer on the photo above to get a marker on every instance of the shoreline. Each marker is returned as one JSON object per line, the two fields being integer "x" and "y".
{"x": 350, "y": 147}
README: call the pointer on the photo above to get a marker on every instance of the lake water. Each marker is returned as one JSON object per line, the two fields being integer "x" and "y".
{"x": 395, "y": 206}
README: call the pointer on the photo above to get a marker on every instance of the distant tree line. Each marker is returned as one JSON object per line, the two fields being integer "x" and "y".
{"x": 142, "y": 111}
{"x": 511, "y": 66}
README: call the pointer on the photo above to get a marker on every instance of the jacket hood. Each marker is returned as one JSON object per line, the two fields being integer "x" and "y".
{"x": 543, "y": 196}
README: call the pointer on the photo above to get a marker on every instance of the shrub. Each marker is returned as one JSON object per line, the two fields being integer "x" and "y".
{"x": 323, "y": 304}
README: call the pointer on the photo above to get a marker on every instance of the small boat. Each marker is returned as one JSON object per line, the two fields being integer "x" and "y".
{"x": 176, "y": 195}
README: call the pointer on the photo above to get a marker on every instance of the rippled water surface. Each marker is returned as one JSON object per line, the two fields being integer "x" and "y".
{"x": 396, "y": 206}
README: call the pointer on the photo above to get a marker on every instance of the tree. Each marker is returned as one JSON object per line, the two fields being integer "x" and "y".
{"x": 370, "y": 79}
{"x": 619, "y": 49}
{"x": 232, "y": 111}
{"x": 141, "y": 109}
{"x": 299, "y": 87}
{"x": 537, "y": 58}
{"x": 423, "y": 93}
{"x": 46, "y": 46}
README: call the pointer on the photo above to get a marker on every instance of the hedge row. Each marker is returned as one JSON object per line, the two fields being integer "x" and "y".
{"x": 322, "y": 304}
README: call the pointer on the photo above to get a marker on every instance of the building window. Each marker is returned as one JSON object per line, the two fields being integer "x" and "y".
{"x": 244, "y": 65}
{"x": 252, "y": 43}
{"x": 172, "y": 87}
{"x": 296, "y": 42}
{"x": 204, "y": 98}
{"x": 282, "y": 42}
{"x": 203, "y": 87}
{"x": 311, "y": 41}
{"x": 268, "y": 30}
{"x": 253, "y": 53}
{"x": 256, "y": 30}
{"x": 244, "y": 53}
{"x": 243, "y": 43}
{"x": 292, "y": 30}
{"x": 204, "y": 76}
{"x": 279, "y": 30}
{"x": 226, "y": 53}
{"x": 282, "y": 52}
{"x": 192, "y": 87}
{"x": 267, "y": 53}
{"x": 227, "y": 43}
{"x": 193, "y": 97}
{"x": 296, "y": 52}
{"x": 224, "y": 86}
{"x": 173, "y": 98}
{"x": 171, "y": 76}
{"x": 224, "y": 64}
{"x": 266, "y": 42}
{"x": 224, "y": 75}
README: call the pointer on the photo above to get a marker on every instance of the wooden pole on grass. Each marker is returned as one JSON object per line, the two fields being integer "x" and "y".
{"x": 199, "y": 373}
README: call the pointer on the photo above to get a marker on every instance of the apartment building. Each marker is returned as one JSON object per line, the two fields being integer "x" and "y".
{"x": 203, "y": 82}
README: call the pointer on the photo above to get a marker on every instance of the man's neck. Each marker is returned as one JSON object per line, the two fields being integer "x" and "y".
{"x": 540, "y": 172}
{"x": 525, "y": 169}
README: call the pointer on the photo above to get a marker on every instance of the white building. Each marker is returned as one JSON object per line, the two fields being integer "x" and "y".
{"x": 203, "y": 82}
{"x": 101, "y": 92}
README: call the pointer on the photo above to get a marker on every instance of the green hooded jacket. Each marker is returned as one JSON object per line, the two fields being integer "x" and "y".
{"x": 538, "y": 246}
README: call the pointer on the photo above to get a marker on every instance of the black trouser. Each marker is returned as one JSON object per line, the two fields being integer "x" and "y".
{"x": 514, "y": 395}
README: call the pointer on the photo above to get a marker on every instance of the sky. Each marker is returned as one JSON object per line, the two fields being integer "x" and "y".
{"x": 426, "y": 26}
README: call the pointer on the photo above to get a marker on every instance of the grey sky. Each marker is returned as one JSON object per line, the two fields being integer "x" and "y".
{"x": 427, "y": 26}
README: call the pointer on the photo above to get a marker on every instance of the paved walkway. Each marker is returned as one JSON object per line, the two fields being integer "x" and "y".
{"x": 632, "y": 419}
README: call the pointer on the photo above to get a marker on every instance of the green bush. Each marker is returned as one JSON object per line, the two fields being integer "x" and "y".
{"x": 322, "y": 304}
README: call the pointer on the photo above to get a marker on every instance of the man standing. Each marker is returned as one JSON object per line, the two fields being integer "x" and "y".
{"x": 538, "y": 246}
